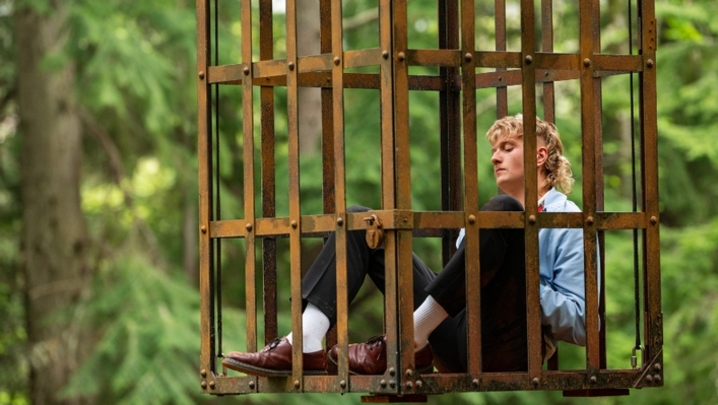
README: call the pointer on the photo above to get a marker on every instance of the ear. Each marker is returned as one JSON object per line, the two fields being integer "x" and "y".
{"x": 541, "y": 156}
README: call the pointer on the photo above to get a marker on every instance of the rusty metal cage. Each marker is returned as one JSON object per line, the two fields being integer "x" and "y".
{"x": 462, "y": 69}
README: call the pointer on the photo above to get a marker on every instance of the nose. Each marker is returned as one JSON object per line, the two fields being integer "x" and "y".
{"x": 496, "y": 158}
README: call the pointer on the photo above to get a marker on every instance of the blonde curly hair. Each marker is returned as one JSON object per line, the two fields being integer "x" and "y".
{"x": 557, "y": 167}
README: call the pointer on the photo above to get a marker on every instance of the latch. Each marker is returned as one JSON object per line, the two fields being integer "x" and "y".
{"x": 375, "y": 233}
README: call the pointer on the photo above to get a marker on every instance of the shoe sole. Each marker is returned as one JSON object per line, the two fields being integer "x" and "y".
{"x": 264, "y": 372}
{"x": 424, "y": 370}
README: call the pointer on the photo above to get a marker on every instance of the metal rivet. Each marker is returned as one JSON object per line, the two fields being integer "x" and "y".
{"x": 203, "y": 229}
{"x": 385, "y": 54}
{"x": 654, "y": 220}
{"x": 589, "y": 220}
{"x": 249, "y": 227}
{"x": 409, "y": 373}
{"x": 587, "y": 62}
{"x": 203, "y": 373}
{"x": 211, "y": 385}
{"x": 501, "y": 79}
{"x": 402, "y": 56}
{"x": 294, "y": 224}
{"x": 343, "y": 384}
{"x": 535, "y": 382}
{"x": 657, "y": 366}
{"x": 340, "y": 221}
{"x": 409, "y": 385}
{"x": 468, "y": 57}
{"x": 246, "y": 70}
{"x": 649, "y": 378}
{"x": 649, "y": 62}
{"x": 475, "y": 382}
{"x": 201, "y": 74}
{"x": 291, "y": 65}
{"x": 251, "y": 384}
{"x": 472, "y": 219}
{"x": 296, "y": 384}
{"x": 593, "y": 379}
{"x": 419, "y": 384}
{"x": 392, "y": 372}
{"x": 392, "y": 383}
{"x": 529, "y": 59}
{"x": 532, "y": 219}
{"x": 337, "y": 60}
{"x": 203, "y": 384}
{"x": 657, "y": 378}
{"x": 382, "y": 383}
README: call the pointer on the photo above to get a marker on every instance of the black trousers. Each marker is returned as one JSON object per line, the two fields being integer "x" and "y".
{"x": 503, "y": 292}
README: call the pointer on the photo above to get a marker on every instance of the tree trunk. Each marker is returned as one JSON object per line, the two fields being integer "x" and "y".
{"x": 54, "y": 234}
{"x": 310, "y": 99}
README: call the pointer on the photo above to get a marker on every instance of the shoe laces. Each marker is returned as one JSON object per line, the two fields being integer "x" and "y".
{"x": 375, "y": 341}
{"x": 273, "y": 344}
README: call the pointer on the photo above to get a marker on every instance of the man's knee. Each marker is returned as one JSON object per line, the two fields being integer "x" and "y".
{"x": 502, "y": 202}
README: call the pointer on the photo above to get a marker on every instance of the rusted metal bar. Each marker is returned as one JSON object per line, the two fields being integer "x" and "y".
{"x": 207, "y": 365}
{"x": 502, "y": 103}
{"x": 295, "y": 383}
{"x": 328, "y": 159}
{"x": 340, "y": 383}
{"x": 403, "y": 366}
{"x": 649, "y": 182}
{"x": 268, "y": 168}
{"x": 248, "y": 157}
{"x": 533, "y": 312}
{"x": 449, "y": 119}
{"x": 588, "y": 46}
{"x": 471, "y": 194}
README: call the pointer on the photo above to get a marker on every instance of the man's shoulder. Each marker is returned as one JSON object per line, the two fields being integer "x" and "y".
{"x": 556, "y": 201}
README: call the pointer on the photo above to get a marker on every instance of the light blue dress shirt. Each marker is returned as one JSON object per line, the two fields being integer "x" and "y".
{"x": 563, "y": 300}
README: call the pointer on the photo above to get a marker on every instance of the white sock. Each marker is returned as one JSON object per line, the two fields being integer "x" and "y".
{"x": 314, "y": 326}
{"x": 426, "y": 318}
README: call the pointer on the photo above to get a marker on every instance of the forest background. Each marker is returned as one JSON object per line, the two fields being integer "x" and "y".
{"x": 98, "y": 193}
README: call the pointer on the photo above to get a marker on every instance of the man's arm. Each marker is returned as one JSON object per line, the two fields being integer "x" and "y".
{"x": 562, "y": 285}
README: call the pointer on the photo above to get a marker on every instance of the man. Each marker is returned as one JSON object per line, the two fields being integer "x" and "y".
{"x": 440, "y": 300}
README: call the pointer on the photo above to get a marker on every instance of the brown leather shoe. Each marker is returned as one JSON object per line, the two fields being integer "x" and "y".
{"x": 275, "y": 360}
{"x": 370, "y": 357}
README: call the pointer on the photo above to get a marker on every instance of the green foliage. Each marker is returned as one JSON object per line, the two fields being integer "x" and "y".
{"x": 149, "y": 329}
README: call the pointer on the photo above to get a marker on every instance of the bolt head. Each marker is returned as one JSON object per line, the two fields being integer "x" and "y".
{"x": 532, "y": 219}
{"x": 246, "y": 70}
{"x": 402, "y": 56}
{"x": 468, "y": 57}
{"x": 472, "y": 219}
{"x": 337, "y": 60}
{"x": 587, "y": 62}
{"x": 529, "y": 59}
{"x": 201, "y": 75}
{"x": 291, "y": 65}
{"x": 385, "y": 54}
{"x": 251, "y": 384}
{"x": 340, "y": 221}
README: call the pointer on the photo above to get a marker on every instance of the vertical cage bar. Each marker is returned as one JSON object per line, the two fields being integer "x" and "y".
{"x": 588, "y": 47}
{"x": 547, "y": 47}
{"x": 403, "y": 192}
{"x": 449, "y": 122}
{"x": 268, "y": 167}
{"x": 471, "y": 195}
{"x": 248, "y": 156}
{"x": 204, "y": 151}
{"x": 502, "y": 103}
{"x": 295, "y": 242}
{"x": 649, "y": 174}
{"x": 388, "y": 164}
{"x": 528, "y": 83}
{"x": 340, "y": 193}
{"x": 328, "y": 194}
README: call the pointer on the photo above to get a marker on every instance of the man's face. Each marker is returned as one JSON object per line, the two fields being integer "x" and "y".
{"x": 508, "y": 159}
